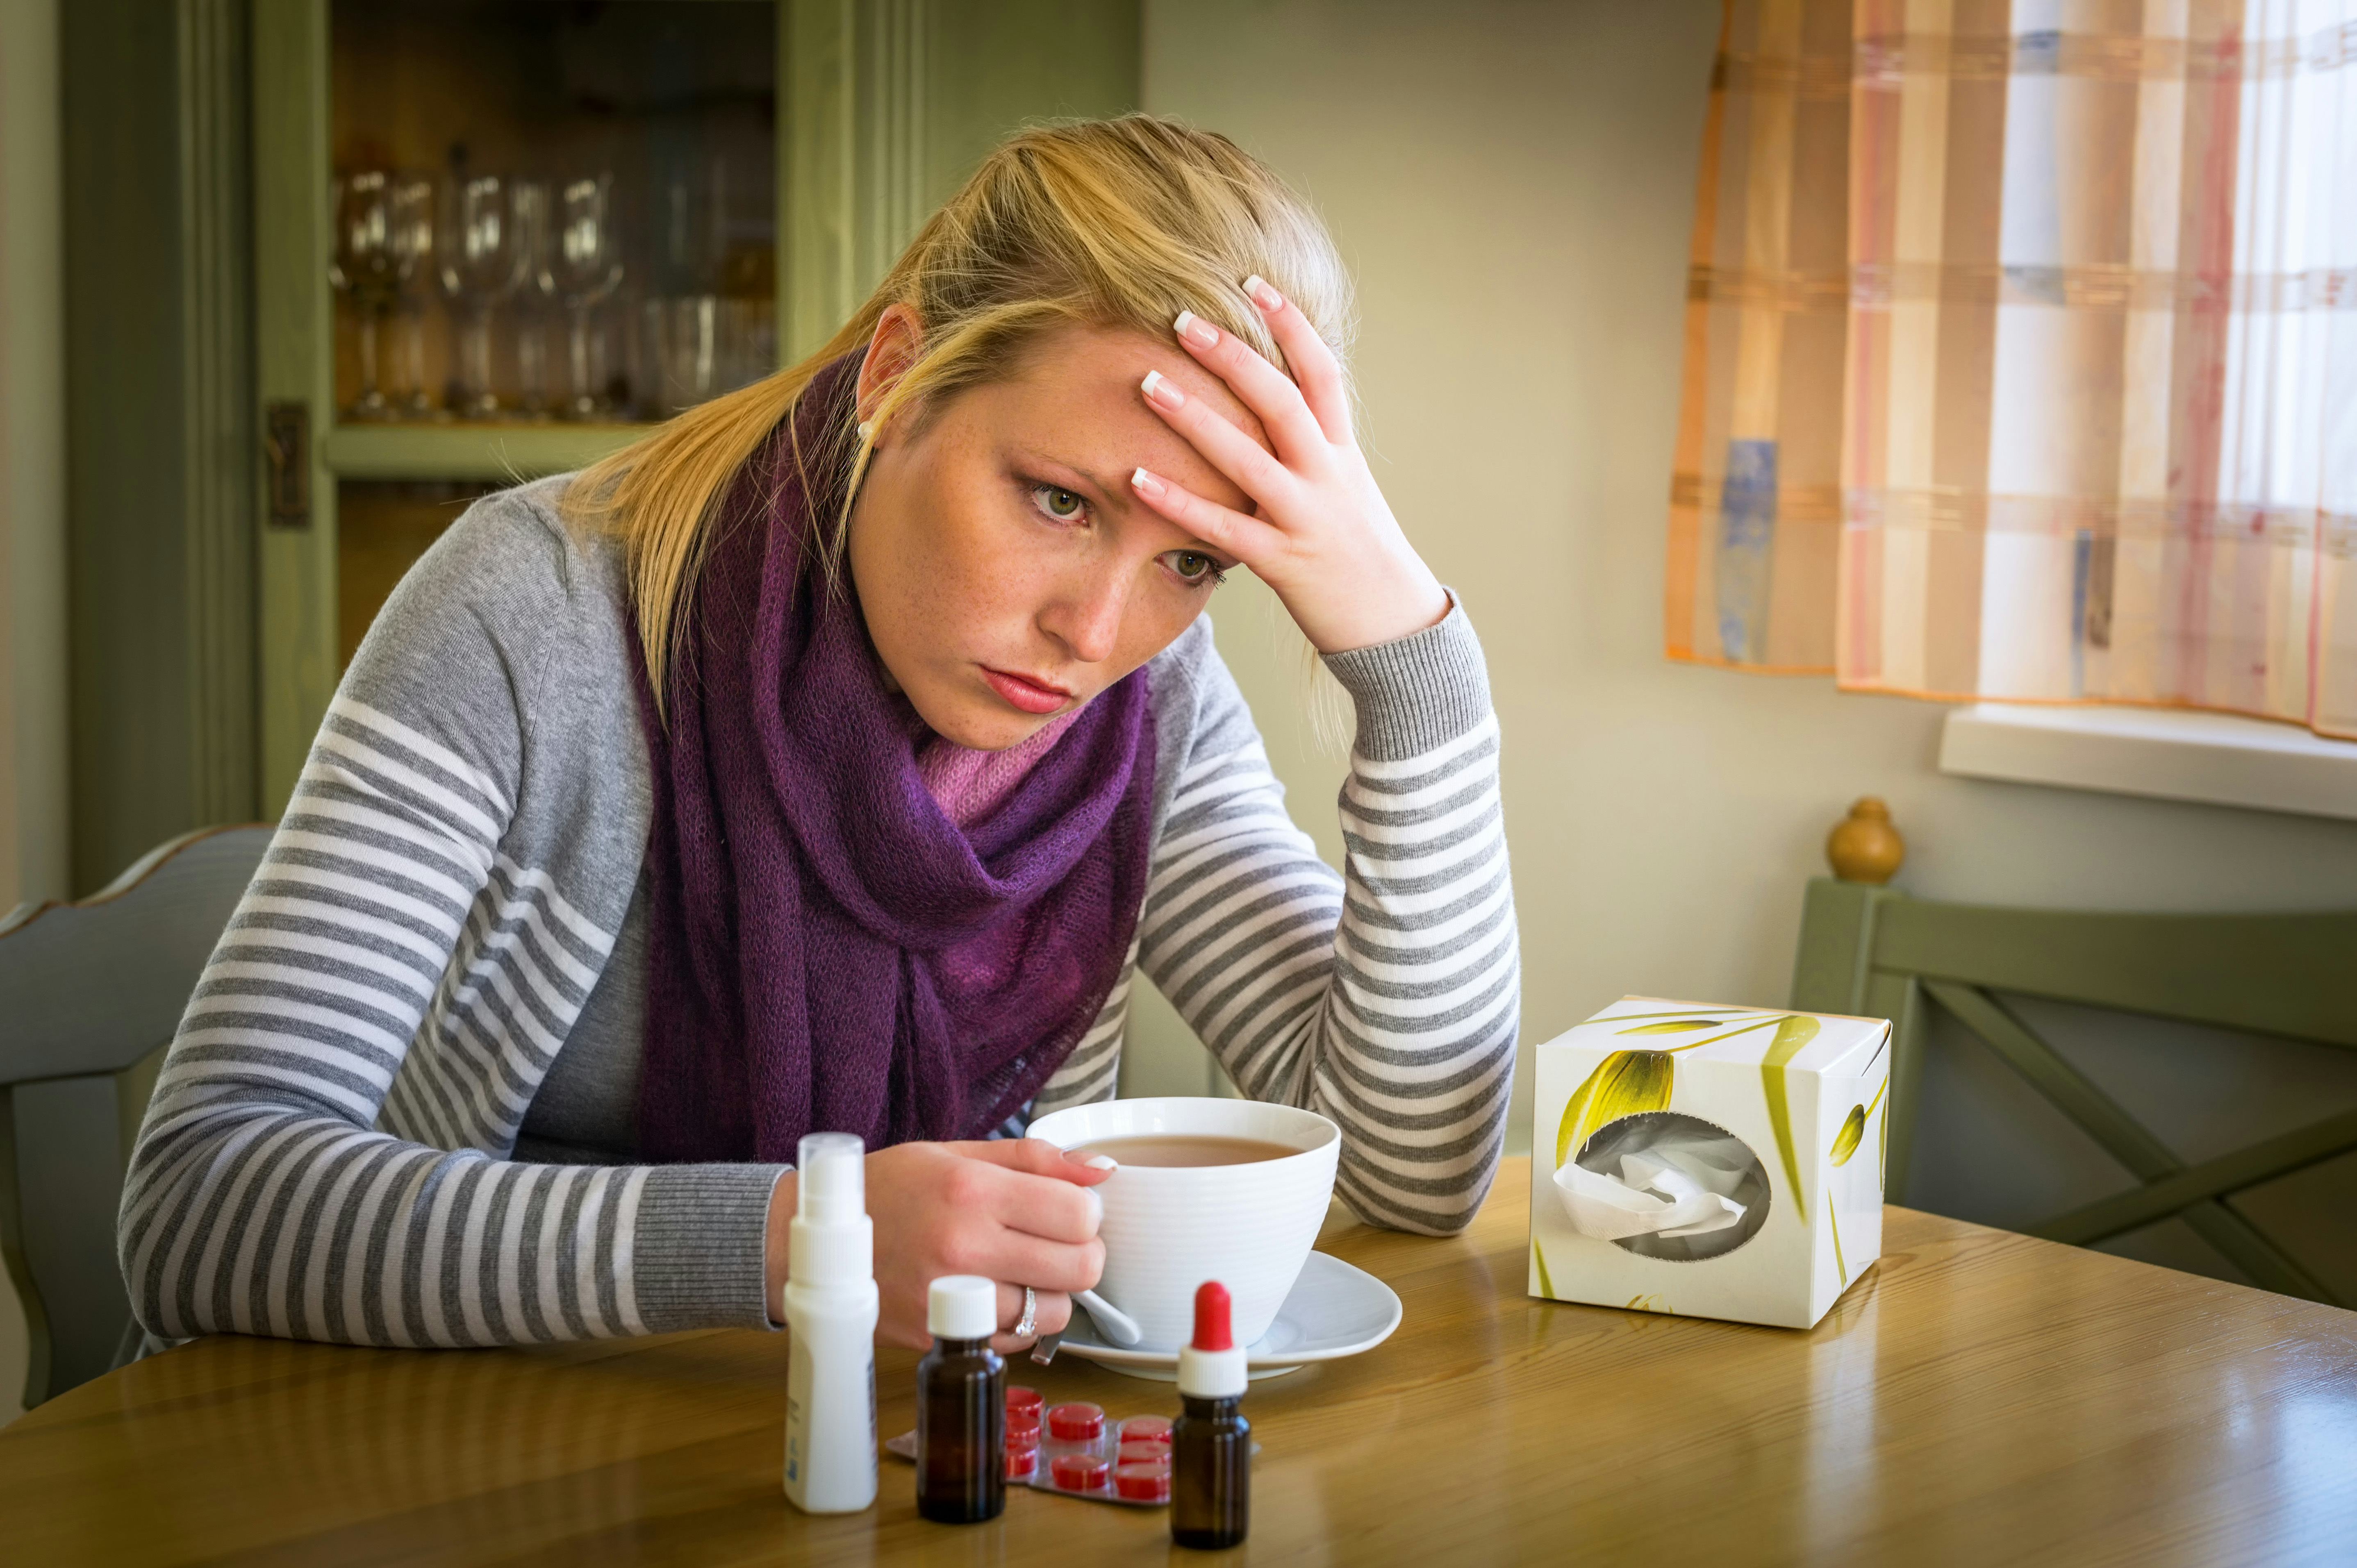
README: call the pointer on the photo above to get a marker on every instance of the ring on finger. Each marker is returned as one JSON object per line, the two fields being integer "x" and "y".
{"x": 1029, "y": 1324}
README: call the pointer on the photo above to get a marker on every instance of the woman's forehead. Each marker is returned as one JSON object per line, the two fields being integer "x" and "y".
{"x": 1085, "y": 357}
{"x": 1076, "y": 396}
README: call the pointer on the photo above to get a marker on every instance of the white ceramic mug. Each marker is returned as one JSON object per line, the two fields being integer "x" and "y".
{"x": 1168, "y": 1229}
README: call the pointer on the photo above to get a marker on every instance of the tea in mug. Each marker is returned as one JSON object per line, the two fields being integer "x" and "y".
{"x": 1187, "y": 1149}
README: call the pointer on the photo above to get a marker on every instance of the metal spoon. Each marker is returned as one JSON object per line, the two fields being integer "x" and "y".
{"x": 1116, "y": 1324}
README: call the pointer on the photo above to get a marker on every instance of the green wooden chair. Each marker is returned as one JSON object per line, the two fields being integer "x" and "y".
{"x": 91, "y": 994}
{"x": 1876, "y": 952}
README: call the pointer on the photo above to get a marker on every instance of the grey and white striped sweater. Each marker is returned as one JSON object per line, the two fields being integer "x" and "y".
{"x": 332, "y": 1152}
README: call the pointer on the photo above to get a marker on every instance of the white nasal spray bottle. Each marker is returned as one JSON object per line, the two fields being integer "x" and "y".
{"x": 830, "y": 1312}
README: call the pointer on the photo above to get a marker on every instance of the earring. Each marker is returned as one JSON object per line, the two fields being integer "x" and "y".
{"x": 867, "y": 430}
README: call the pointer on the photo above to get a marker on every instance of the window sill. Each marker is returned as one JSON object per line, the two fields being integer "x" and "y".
{"x": 2171, "y": 753}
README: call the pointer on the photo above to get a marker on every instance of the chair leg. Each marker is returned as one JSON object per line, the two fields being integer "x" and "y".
{"x": 12, "y": 1255}
{"x": 1900, "y": 998}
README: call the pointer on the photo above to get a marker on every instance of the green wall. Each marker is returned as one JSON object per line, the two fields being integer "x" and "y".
{"x": 992, "y": 68}
{"x": 158, "y": 437}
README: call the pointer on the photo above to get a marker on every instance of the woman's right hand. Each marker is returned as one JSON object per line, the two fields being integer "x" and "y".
{"x": 1016, "y": 1210}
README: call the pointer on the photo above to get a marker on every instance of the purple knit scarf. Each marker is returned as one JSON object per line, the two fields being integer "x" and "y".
{"x": 827, "y": 951}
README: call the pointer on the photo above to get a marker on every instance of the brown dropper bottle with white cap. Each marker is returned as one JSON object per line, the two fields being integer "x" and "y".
{"x": 961, "y": 1405}
{"x": 1211, "y": 1442}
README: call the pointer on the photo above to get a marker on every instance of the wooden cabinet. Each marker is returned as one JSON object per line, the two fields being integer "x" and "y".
{"x": 872, "y": 113}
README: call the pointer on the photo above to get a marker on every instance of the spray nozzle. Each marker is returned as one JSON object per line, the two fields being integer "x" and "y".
{"x": 833, "y": 1171}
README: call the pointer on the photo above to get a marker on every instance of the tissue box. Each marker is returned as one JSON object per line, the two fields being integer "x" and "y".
{"x": 1709, "y": 1162}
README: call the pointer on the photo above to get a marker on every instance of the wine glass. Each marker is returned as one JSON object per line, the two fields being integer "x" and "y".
{"x": 583, "y": 266}
{"x": 481, "y": 257}
{"x": 680, "y": 316}
{"x": 532, "y": 241}
{"x": 364, "y": 267}
{"x": 413, "y": 216}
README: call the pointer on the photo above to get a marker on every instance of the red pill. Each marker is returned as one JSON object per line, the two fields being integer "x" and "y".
{"x": 1146, "y": 1483}
{"x": 1143, "y": 1454}
{"x": 1147, "y": 1429}
{"x": 1075, "y": 1422}
{"x": 1026, "y": 1422}
{"x": 1080, "y": 1472}
{"x": 1020, "y": 1398}
{"x": 1022, "y": 1463}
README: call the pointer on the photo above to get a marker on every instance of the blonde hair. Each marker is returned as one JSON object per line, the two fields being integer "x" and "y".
{"x": 1120, "y": 223}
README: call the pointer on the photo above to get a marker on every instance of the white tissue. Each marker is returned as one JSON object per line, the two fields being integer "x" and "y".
{"x": 1675, "y": 1188}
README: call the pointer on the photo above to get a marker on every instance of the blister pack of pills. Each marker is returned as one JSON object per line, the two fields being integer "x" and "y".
{"x": 1077, "y": 1451}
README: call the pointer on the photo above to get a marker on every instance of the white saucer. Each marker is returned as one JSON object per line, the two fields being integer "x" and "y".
{"x": 1332, "y": 1311}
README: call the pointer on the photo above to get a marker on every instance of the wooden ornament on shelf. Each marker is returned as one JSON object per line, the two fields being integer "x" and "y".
{"x": 1864, "y": 846}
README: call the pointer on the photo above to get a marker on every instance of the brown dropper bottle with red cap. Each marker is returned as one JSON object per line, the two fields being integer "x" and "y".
{"x": 1211, "y": 1442}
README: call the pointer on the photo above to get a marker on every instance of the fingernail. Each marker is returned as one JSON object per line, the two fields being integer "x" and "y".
{"x": 1196, "y": 330}
{"x": 1144, "y": 484}
{"x": 1158, "y": 389}
{"x": 1105, "y": 1162}
{"x": 1262, "y": 294}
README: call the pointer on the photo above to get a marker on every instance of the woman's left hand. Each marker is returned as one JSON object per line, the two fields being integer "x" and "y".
{"x": 1323, "y": 537}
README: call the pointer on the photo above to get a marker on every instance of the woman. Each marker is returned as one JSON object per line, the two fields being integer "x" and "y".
{"x": 828, "y": 760}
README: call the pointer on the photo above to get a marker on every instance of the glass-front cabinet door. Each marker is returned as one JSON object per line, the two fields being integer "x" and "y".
{"x": 497, "y": 239}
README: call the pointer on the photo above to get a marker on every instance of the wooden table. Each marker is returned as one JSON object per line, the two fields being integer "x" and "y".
{"x": 1979, "y": 1398}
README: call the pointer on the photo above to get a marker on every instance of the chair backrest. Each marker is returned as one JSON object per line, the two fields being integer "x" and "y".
{"x": 1877, "y": 953}
{"x": 90, "y": 994}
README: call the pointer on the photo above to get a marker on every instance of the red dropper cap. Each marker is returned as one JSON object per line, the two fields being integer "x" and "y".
{"x": 1213, "y": 1366}
{"x": 1211, "y": 1318}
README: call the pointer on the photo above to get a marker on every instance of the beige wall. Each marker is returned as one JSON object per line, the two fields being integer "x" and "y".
{"x": 1512, "y": 181}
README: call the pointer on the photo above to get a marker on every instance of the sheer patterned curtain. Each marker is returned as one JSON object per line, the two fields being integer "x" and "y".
{"x": 2021, "y": 353}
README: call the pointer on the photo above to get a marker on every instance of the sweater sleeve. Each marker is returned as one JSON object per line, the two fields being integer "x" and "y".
{"x": 274, "y": 1189}
{"x": 1388, "y": 998}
